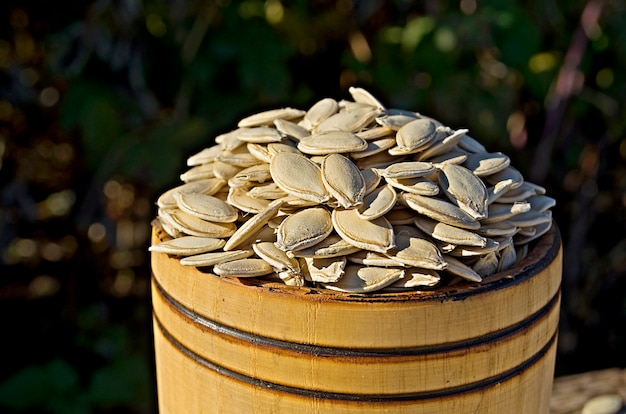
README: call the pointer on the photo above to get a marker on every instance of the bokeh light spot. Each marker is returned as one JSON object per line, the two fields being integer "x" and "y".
{"x": 52, "y": 251}
{"x": 468, "y": 6}
{"x": 274, "y": 11}
{"x": 604, "y": 78}
{"x": 43, "y": 286}
{"x": 112, "y": 189}
{"x": 123, "y": 282}
{"x": 516, "y": 125}
{"x": 445, "y": 39}
{"x": 26, "y": 248}
{"x": 59, "y": 203}
{"x": 49, "y": 96}
{"x": 251, "y": 8}
{"x": 96, "y": 232}
{"x": 359, "y": 47}
{"x": 155, "y": 25}
{"x": 415, "y": 31}
{"x": 542, "y": 62}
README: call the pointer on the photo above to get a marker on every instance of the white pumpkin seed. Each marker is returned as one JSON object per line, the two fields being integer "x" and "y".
{"x": 449, "y": 234}
{"x": 331, "y": 142}
{"x": 439, "y": 210}
{"x": 464, "y": 189}
{"x": 363, "y": 96}
{"x": 253, "y": 225}
{"x": 304, "y": 229}
{"x": 352, "y": 120}
{"x": 299, "y": 176}
{"x": 213, "y": 258}
{"x": 199, "y": 172}
{"x": 415, "y": 134}
{"x": 331, "y": 246}
{"x": 188, "y": 245}
{"x": 458, "y": 268}
{"x": 415, "y": 251}
{"x": 240, "y": 198}
{"x": 260, "y": 135}
{"x": 378, "y": 203}
{"x": 243, "y": 268}
{"x": 408, "y": 169}
{"x": 359, "y": 279}
{"x": 205, "y": 156}
{"x": 375, "y": 235}
{"x": 343, "y": 180}
{"x": 321, "y": 111}
{"x": 206, "y": 207}
{"x": 268, "y": 117}
{"x": 327, "y": 270}
{"x": 276, "y": 257}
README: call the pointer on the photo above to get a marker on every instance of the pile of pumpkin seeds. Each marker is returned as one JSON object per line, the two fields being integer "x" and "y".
{"x": 351, "y": 196}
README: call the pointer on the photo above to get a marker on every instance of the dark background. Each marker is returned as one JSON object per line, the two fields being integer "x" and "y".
{"x": 102, "y": 101}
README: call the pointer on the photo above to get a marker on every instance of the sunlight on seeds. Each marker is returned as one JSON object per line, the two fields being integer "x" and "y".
{"x": 304, "y": 229}
{"x": 351, "y": 196}
{"x": 343, "y": 180}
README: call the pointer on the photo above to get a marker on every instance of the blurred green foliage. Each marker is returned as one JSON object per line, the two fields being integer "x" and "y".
{"x": 101, "y": 102}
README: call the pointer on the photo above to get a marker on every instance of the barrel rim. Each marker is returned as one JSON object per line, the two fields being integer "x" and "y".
{"x": 362, "y": 398}
{"x": 544, "y": 251}
{"x": 334, "y": 351}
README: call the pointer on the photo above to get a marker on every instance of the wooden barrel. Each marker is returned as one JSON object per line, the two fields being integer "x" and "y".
{"x": 248, "y": 346}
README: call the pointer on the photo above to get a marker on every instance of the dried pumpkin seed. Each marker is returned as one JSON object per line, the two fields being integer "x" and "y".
{"x": 378, "y": 203}
{"x": 188, "y": 245}
{"x": 343, "y": 180}
{"x": 213, "y": 258}
{"x": 359, "y": 279}
{"x": 268, "y": 117}
{"x": 299, "y": 176}
{"x": 243, "y": 268}
{"x": 206, "y": 207}
{"x": 331, "y": 142}
{"x": 304, "y": 229}
{"x": 375, "y": 235}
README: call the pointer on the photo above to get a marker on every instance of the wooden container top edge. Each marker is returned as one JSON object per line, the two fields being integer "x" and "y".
{"x": 541, "y": 255}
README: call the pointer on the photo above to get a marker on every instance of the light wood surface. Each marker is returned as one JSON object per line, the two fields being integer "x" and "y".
{"x": 229, "y": 345}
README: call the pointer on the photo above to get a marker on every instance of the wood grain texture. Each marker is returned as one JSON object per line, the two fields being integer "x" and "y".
{"x": 229, "y": 345}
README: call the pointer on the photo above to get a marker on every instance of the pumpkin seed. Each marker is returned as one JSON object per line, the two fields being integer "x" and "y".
{"x": 375, "y": 235}
{"x": 359, "y": 279}
{"x": 243, "y": 268}
{"x": 343, "y": 180}
{"x": 415, "y": 134}
{"x": 188, "y": 245}
{"x": 268, "y": 117}
{"x": 331, "y": 142}
{"x": 351, "y": 120}
{"x": 298, "y": 176}
{"x": 378, "y": 203}
{"x": 304, "y": 229}
{"x": 213, "y": 258}
{"x": 206, "y": 207}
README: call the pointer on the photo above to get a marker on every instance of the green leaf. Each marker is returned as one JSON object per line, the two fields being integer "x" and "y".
{"x": 157, "y": 154}
{"x": 97, "y": 113}
{"x": 54, "y": 386}
{"x": 124, "y": 381}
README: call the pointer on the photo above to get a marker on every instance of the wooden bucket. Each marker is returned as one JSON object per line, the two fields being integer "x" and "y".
{"x": 248, "y": 346}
